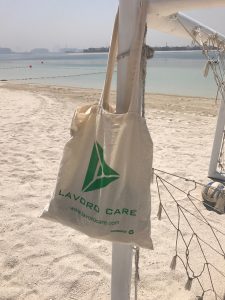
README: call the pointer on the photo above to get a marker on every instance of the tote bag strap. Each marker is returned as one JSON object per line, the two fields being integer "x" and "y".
{"x": 134, "y": 62}
{"x": 104, "y": 99}
{"x": 134, "y": 59}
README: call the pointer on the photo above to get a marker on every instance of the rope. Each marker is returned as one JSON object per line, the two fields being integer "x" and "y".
{"x": 12, "y": 68}
{"x": 194, "y": 182}
{"x": 57, "y": 76}
{"x": 212, "y": 44}
{"x": 147, "y": 53}
{"x": 190, "y": 239}
{"x": 136, "y": 274}
{"x": 214, "y": 51}
{"x": 182, "y": 191}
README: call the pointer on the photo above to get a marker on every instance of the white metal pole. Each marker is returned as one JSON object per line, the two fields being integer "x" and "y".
{"x": 121, "y": 253}
{"x": 213, "y": 173}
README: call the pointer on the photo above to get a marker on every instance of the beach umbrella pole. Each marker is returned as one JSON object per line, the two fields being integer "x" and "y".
{"x": 122, "y": 253}
{"x": 213, "y": 173}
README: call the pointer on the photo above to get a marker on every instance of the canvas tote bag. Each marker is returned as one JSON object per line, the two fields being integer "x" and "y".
{"x": 103, "y": 184}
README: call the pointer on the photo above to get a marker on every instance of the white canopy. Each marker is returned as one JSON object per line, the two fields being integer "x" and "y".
{"x": 180, "y": 25}
{"x": 160, "y": 8}
{"x": 164, "y": 16}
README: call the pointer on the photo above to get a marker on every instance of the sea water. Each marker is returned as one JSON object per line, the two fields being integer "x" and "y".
{"x": 169, "y": 72}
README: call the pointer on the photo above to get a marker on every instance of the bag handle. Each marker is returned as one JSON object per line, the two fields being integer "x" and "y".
{"x": 134, "y": 62}
{"x": 134, "y": 59}
{"x": 104, "y": 99}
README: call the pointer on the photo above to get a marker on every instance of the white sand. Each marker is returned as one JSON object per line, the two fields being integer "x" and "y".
{"x": 41, "y": 260}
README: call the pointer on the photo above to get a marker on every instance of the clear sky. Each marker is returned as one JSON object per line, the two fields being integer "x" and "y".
{"x": 54, "y": 24}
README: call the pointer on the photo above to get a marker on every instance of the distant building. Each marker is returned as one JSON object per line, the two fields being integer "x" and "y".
{"x": 176, "y": 48}
{"x": 70, "y": 50}
{"x": 96, "y": 50}
{"x": 5, "y": 51}
{"x": 39, "y": 51}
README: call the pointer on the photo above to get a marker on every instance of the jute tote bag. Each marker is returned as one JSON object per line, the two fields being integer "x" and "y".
{"x": 103, "y": 184}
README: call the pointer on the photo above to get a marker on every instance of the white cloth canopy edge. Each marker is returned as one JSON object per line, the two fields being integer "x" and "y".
{"x": 167, "y": 7}
{"x": 172, "y": 24}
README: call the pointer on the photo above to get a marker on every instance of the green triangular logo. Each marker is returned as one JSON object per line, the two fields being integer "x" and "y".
{"x": 99, "y": 174}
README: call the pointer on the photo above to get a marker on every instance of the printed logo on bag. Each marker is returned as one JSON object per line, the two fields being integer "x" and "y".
{"x": 99, "y": 174}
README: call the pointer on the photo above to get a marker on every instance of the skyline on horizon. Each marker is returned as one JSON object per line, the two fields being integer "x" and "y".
{"x": 78, "y": 24}
{"x": 40, "y": 50}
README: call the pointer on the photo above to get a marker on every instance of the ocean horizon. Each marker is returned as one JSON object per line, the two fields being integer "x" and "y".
{"x": 169, "y": 72}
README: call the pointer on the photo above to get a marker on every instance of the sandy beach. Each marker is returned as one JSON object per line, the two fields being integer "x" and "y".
{"x": 41, "y": 260}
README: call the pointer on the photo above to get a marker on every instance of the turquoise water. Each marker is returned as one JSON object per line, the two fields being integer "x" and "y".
{"x": 179, "y": 73}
